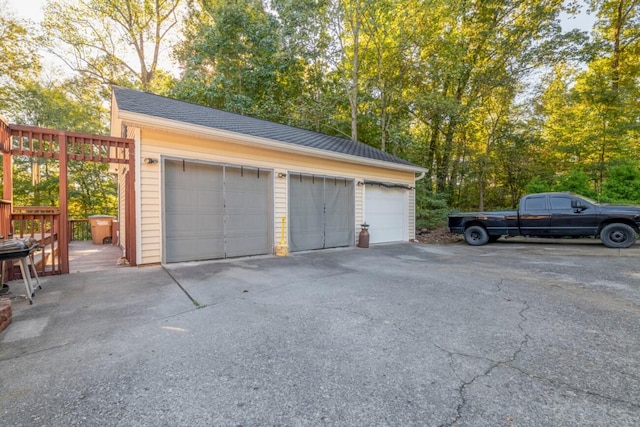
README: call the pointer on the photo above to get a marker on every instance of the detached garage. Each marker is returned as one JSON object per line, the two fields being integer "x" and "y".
{"x": 213, "y": 184}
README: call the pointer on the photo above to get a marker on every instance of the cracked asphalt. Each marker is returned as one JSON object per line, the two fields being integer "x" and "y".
{"x": 508, "y": 334}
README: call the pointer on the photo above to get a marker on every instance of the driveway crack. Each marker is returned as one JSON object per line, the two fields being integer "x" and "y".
{"x": 494, "y": 363}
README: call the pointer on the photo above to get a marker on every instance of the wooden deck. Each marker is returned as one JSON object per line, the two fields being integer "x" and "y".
{"x": 84, "y": 256}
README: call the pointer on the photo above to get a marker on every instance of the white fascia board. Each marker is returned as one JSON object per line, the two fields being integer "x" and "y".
{"x": 145, "y": 121}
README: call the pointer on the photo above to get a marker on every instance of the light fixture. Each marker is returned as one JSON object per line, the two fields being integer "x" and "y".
{"x": 150, "y": 161}
{"x": 282, "y": 175}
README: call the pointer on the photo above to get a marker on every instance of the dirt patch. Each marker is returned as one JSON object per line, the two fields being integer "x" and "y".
{"x": 437, "y": 236}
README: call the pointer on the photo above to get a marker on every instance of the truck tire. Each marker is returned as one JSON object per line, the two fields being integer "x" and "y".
{"x": 618, "y": 235}
{"x": 476, "y": 235}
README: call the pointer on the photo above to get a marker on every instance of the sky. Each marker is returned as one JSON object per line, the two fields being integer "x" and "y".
{"x": 32, "y": 9}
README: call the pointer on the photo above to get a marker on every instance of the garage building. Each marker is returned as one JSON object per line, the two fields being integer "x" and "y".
{"x": 213, "y": 184}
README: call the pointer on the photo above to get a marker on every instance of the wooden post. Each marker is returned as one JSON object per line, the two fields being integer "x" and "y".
{"x": 63, "y": 230}
{"x": 7, "y": 160}
{"x": 130, "y": 208}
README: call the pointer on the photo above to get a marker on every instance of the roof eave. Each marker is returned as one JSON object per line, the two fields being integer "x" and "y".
{"x": 144, "y": 120}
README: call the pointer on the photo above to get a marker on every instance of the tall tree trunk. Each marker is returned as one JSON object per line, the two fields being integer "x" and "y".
{"x": 431, "y": 149}
{"x": 355, "y": 63}
{"x": 442, "y": 175}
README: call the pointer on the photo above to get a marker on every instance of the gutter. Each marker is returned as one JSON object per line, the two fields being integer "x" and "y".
{"x": 388, "y": 184}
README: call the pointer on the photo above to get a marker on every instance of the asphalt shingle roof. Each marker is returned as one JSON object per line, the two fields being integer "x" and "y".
{"x": 173, "y": 109}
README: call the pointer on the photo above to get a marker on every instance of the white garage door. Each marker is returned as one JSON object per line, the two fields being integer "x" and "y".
{"x": 387, "y": 213}
{"x": 321, "y": 212}
{"x": 216, "y": 211}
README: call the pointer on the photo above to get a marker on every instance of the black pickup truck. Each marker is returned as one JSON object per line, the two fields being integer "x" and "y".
{"x": 552, "y": 215}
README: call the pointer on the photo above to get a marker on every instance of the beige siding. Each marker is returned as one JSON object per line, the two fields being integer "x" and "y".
{"x": 412, "y": 214}
{"x": 150, "y": 207}
{"x": 157, "y": 144}
{"x": 121, "y": 211}
{"x": 280, "y": 197}
{"x": 359, "y": 207}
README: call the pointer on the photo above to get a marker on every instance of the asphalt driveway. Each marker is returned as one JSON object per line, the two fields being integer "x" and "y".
{"x": 508, "y": 334}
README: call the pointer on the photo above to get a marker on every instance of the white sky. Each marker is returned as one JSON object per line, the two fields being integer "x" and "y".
{"x": 29, "y": 9}
{"x": 32, "y": 9}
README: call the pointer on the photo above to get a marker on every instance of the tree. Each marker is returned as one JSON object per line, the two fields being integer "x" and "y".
{"x": 114, "y": 42}
{"x": 590, "y": 114}
{"x": 36, "y": 180}
{"x": 473, "y": 70}
{"x": 231, "y": 59}
{"x": 20, "y": 60}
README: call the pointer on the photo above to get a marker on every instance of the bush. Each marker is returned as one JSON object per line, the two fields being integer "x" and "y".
{"x": 622, "y": 184}
{"x": 431, "y": 210}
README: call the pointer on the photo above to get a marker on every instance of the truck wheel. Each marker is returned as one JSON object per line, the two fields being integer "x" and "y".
{"x": 476, "y": 235}
{"x": 618, "y": 236}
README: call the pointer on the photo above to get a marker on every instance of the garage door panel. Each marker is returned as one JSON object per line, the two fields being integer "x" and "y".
{"x": 247, "y": 200}
{"x": 192, "y": 247}
{"x": 193, "y": 211}
{"x": 339, "y": 218}
{"x": 306, "y": 195}
{"x": 386, "y": 212}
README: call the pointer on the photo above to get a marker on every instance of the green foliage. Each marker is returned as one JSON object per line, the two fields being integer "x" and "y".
{"x": 622, "y": 184}
{"x": 232, "y": 61}
{"x": 56, "y": 106}
{"x": 431, "y": 209}
{"x": 92, "y": 189}
{"x": 18, "y": 50}
{"x": 537, "y": 185}
{"x": 576, "y": 181}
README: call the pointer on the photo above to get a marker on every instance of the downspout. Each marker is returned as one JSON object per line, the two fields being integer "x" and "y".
{"x": 418, "y": 178}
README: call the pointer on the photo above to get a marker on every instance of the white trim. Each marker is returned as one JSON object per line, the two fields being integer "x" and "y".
{"x": 145, "y": 121}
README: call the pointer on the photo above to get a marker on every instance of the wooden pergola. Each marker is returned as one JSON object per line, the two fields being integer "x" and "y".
{"x": 18, "y": 140}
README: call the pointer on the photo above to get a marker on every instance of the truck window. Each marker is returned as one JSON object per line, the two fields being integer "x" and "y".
{"x": 534, "y": 204}
{"x": 560, "y": 203}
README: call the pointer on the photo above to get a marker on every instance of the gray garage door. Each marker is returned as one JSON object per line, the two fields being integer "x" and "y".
{"x": 321, "y": 212}
{"x": 216, "y": 211}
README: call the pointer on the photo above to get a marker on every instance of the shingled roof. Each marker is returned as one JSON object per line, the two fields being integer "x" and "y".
{"x": 173, "y": 109}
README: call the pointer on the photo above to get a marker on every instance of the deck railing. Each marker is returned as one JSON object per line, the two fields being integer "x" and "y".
{"x": 79, "y": 229}
{"x": 43, "y": 224}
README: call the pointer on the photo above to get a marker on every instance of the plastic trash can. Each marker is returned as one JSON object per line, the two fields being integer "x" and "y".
{"x": 101, "y": 229}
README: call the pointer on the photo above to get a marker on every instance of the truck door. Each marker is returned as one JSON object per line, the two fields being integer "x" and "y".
{"x": 568, "y": 221}
{"x": 534, "y": 216}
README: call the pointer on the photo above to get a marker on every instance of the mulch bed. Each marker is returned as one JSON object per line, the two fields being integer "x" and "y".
{"x": 437, "y": 236}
